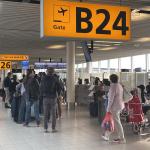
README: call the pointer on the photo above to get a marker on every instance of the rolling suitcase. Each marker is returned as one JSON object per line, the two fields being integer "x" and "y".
{"x": 15, "y": 107}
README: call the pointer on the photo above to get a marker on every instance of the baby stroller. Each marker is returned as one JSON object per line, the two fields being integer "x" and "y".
{"x": 135, "y": 115}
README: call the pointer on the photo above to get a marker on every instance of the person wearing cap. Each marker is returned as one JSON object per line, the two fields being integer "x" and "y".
{"x": 50, "y": 90}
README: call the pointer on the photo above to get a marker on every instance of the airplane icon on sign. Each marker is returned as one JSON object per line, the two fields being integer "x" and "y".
{"x": 62, "y": 11}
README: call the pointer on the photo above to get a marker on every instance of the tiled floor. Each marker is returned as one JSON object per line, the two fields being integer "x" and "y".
{"x": 76, "y": 131}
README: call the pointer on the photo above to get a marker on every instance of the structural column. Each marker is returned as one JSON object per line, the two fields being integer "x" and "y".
{"x": 70, "y": 74}
{"x": 89, "y": 67}
{"x": 2, "y": 73}
{"x": 119, "y": 64}
{"x": 147, "y": 62}
{"x": 132, "y": 70}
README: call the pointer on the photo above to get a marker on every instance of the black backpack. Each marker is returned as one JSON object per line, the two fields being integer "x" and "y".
{"x": 50, "y": 85}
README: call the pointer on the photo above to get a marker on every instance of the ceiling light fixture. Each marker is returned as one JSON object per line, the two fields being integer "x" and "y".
{"x": 95, "y": 47}
{"x": 135, "y": 11}
{"x": 80, "y": 54}
{"x": 139, "y": 17}
{"x": 48, "y": 60}
{"x": 79, "y": 47}
{"x": 143, "y": 39}
{"x": 108, "y": 42}
{"x": 99, "y": 44}
{"x": 106, "y": 48}
{"x": 56, "y": 47}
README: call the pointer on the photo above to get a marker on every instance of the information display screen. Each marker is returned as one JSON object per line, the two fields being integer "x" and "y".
{"x": 25, "y": 64}
{"x": 40, "y": 65}
{"x": 86, "y": 51}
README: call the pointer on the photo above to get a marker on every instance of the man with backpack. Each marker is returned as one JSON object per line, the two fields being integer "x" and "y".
{"x": 50, "y": 90}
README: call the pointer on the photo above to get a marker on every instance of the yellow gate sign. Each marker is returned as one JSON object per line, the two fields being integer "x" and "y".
{"x": 83, "y": 20}
{"x": 5, "y": 65}
{"x": 14, "y": 57}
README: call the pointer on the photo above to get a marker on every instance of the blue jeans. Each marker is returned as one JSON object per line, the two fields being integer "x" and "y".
{"x": 28, "y": 110}
{"x": 22, "y": 110}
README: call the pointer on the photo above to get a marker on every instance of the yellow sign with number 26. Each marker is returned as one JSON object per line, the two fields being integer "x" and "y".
{"x": 5, "y": 65}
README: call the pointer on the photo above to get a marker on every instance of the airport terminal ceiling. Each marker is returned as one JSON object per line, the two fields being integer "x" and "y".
{"x": 20, "y": 33}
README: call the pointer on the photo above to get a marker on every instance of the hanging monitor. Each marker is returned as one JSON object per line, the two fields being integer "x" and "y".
{"x": 86, "y": 51}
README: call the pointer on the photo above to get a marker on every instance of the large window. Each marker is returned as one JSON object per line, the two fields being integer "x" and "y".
{"x": 139, "y": 61}
{"x": 125, "y": 63}
{"x": 76, "y": 66}
{"x": 148, "y": 63}
{"x": 113, "y": 64}
{"x": 95, "y": 64}
{"x": 104, "y": 64}
{"x": 79, "y": 65}
{"x": 84, "y": 65}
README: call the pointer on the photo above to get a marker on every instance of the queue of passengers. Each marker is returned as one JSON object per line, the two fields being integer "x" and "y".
{"x": 49, "y": 88}
{"x": 43, "y": 91}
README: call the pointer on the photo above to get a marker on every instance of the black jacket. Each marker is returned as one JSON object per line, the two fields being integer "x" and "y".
{"x": 50, "y": 86}
{"x": 7, "y": 83}
{"x": 13, "y": 87}
{"x": 32, "y": 89}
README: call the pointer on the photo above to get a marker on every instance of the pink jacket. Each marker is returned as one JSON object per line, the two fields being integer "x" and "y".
{"x": 115, "y": 98}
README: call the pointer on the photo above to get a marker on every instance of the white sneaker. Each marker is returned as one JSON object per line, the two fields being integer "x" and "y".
{"x": 105, "y": 138}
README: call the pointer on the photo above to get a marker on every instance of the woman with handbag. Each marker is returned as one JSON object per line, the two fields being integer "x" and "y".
{"x": 115, "y": 106}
